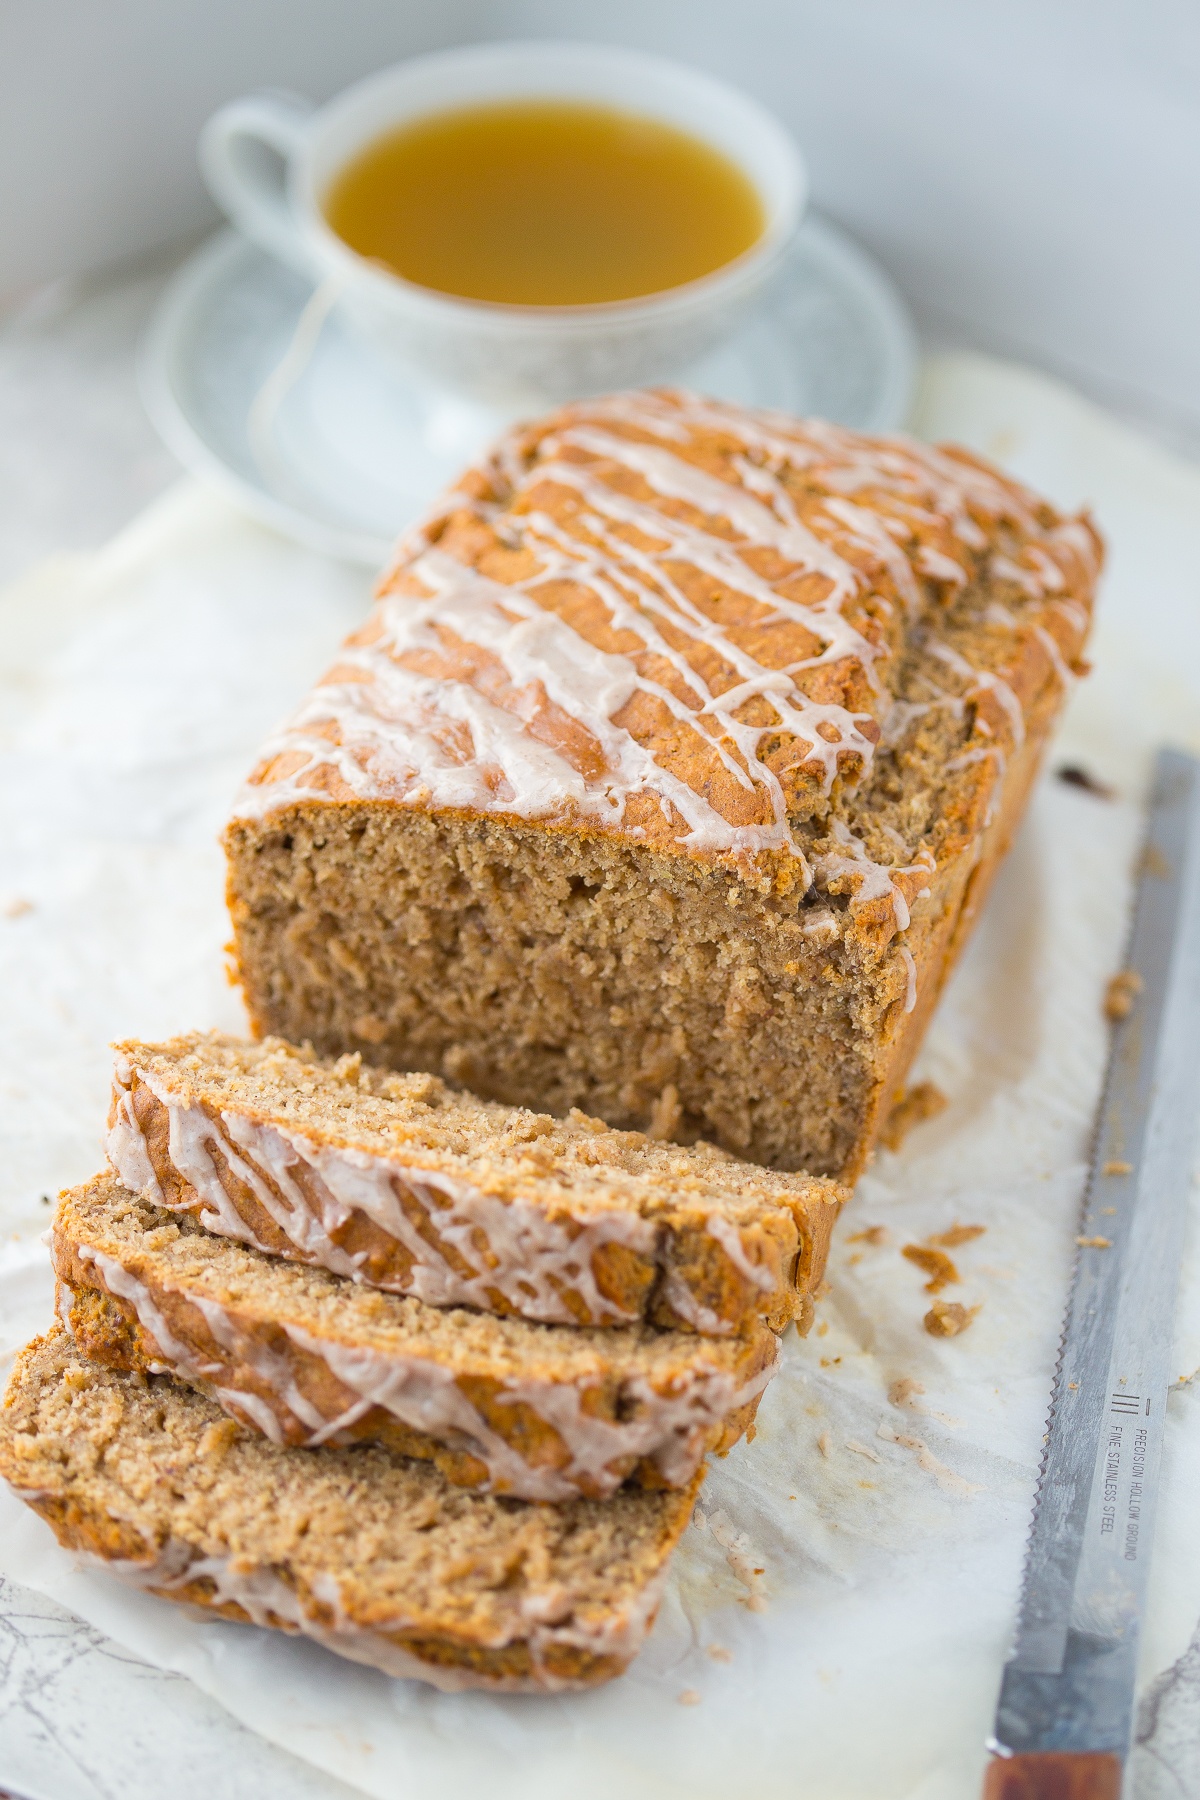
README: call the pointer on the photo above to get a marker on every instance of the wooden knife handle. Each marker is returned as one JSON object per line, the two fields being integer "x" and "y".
{"x": 1054, "y": 1775}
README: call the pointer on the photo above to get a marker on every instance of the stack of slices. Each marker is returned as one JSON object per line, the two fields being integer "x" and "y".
{"x": 427, "y": 1378}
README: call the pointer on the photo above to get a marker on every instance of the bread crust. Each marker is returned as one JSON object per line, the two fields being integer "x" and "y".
{"x": 532, "y": 832}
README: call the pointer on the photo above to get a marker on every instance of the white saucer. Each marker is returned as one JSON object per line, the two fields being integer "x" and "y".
{"x": 352, "y": 453}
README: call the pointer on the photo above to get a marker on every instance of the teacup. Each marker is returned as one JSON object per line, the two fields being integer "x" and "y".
{"x": 269, "y": 160}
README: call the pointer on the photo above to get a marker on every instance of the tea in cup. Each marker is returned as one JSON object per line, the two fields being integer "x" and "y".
{"x": 521, "y": 223}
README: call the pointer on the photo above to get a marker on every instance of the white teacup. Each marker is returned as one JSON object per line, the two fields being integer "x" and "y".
{"x": 269, "y": 161}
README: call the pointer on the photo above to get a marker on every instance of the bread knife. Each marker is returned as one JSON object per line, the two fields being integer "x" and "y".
{"x": 1065, "y": 1714}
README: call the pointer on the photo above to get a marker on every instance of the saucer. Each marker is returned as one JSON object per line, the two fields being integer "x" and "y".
{"x": 351, "y": 452}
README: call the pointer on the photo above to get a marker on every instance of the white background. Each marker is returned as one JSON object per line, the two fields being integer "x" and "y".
{"x": 1028, "y": 169}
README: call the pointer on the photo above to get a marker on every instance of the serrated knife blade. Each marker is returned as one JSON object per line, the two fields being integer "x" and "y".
{"x": 1065, "y": 1713}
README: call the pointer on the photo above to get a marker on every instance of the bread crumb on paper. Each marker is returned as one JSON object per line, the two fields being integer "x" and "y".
{"x": 16, "y": 907}
{"x": 862, "y": 1450}
{"x": 1121, "y": 994}
{"x": 744, "y": 1561}
{"x": 957, "y": 1234}
{"x": 904, "y": 1391}
{"x": 875, "y": 1235}
{"x": 719, "y": 1653}
{"x": 912, "y": 1107}
{"x": 936, "y": 1264}
{"x": 1094, "y": 1243}
{"x": 823, "y": 1445}
{"x": 689, "y": 1697}
{"x": 947, "y": 1318}
{"x": 946, "y": 1478}
{"x": 1074, "y": 775}
{"x": 1116, "y": 1167}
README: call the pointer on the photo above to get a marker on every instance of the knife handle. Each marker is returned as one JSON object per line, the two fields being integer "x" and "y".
{"x": 1054, "y": 1775}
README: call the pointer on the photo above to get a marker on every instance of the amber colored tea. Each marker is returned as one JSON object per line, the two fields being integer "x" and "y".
{"x": 544, "y": 203}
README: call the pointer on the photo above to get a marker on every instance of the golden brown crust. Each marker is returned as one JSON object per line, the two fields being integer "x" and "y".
{"x": 762, "y": 977}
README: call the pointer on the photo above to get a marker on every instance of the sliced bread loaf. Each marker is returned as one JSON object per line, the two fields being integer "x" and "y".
{"x": 374, "y": 1556}
{"x": 543, "y": 1411}
{"x": 401, "y": 1182}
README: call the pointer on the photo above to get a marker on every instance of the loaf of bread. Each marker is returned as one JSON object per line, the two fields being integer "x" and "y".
{"x": 668, "y": 774}
{"x": 374, "y": 1556}
{"x": 402, "y": 1183}
{"x": 542, "y": 1411}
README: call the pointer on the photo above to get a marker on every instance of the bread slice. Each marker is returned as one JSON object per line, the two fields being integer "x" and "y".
{"x": 377, "y": 1557}
{"x": 669, "y": 773}
{"x": 543, "y": 1411}
{"x": 399, "y": 1181}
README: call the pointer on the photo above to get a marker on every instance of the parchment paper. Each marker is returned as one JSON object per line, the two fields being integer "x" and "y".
{"x": 863, "y": 1663}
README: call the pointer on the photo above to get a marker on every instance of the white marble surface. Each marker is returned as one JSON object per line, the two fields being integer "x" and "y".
{"x": 78, "y": 1716}
{"x": 82, "y": 1719}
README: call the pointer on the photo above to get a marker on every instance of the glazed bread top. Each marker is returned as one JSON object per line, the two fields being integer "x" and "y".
{"x": 714, "y": 630}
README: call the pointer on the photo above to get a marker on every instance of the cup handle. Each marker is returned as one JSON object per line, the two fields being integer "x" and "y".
{"x": 245, "y": 149}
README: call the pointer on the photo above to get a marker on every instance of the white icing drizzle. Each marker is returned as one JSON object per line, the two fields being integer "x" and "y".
{"x": 983, "y": 678}
{"x": 402, "y": 720}
{"x": 872, "y": 880}
{"x": 529, "y": 1257}
{"x": 674, "y": 479}
{"x": 910, "y": 994}
{"x": 821, "y": 920}
{"x": 125, "y": 1139}
{"x": 1049, "y": 574}
{"x": 941, "y": 567}
{"x": 669, "y": 1429}
{"x": 1073, "y": 613}
{"x": 251, "y": 1410}
{"x": 389, "y": 728}
{"x": 730, "y": 1240}
{"x": 126, "y": 1286}
{"x": 271, "y": 1602}
{"x": 997, "y": 614}
{"x": 1026, "y": 579}
{"x": 1050, "y": 645}
{"x": 686, "y": 1304}
{"x": 795, "y": 712}
{"x": 393, "y": 724}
